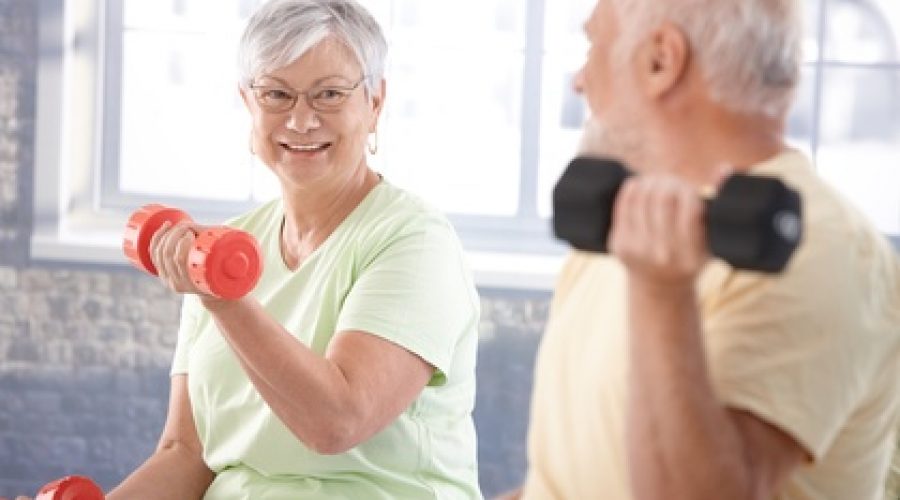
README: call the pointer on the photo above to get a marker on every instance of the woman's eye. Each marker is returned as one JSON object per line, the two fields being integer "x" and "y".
{"x": 330, "y": 94}
{"x": 276, "y": 95}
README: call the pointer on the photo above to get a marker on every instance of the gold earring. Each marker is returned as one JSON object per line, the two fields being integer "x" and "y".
{"x": 372, "y": 148}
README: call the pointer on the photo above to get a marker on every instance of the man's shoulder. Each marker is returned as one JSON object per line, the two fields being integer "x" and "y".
{"x": 837, "y": 236}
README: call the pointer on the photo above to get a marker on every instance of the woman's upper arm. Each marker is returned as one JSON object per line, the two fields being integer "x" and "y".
{"x": 383, "y": 377}
{"x": 179, "y": 428}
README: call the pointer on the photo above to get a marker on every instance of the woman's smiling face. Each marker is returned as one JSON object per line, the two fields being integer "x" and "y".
{"x": 312, "y": 117}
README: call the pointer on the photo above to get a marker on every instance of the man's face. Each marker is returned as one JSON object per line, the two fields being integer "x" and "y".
{"x": 607, "y": 84}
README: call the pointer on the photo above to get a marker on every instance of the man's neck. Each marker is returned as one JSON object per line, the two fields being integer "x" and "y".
{"x": 702, "y": 148}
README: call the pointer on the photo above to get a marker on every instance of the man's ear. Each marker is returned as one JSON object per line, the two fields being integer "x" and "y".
{"x": 377, "y": 104}
{"x": 663, "y": 60}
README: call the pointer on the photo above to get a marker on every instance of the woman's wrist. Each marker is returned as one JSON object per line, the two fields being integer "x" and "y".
{"x": 215, "y": 304}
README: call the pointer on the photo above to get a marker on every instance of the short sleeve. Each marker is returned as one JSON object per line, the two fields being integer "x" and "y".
{"x": 188, "y": 327}
{"x": 417, "y": 293}
{"x": 783, "y": 349}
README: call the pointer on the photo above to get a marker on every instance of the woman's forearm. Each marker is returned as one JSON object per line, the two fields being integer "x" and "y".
{"x": 289, "y": 375}
{"x": 173, "y": 472}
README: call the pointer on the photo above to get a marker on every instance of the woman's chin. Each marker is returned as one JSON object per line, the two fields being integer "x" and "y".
{"x": 302, "y": 173}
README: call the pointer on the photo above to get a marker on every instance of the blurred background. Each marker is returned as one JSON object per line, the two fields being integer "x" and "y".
{"x": 109, "y": 104}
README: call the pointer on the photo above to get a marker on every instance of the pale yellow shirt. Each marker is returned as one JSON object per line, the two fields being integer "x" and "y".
{"x": 814, "y": 351}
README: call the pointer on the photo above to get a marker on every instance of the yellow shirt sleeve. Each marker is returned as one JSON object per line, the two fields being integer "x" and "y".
{"x": 807, "y": 349}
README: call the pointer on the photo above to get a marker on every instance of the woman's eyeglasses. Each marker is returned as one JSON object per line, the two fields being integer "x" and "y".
{"x": 279, "y": 97}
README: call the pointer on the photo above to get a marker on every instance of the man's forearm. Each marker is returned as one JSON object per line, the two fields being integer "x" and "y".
{"x": 681, "y": 441}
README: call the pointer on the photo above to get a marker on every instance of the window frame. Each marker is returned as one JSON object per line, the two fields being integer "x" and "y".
{"x": 75, "y": 214}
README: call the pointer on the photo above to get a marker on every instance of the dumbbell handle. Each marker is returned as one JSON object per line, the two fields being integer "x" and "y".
{"x": 141, "y": 227}
{"x": 584, "y": 197}
{"x": 70, "y": 488}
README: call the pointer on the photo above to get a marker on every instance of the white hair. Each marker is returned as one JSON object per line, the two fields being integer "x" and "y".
{"x": 749, "y": 50}
{"x": 281, "y": 31}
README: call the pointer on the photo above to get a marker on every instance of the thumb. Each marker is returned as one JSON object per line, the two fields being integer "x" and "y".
{"x": 722, "y": 173}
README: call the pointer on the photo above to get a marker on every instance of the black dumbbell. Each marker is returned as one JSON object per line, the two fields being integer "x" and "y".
{"x": 752, "y": 223}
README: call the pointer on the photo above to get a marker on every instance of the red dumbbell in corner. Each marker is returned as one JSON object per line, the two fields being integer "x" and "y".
{"x": 224, "y": 261}
{"x": 71, "y": 488}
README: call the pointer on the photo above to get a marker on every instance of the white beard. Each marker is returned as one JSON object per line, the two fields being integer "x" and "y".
{"x": 623, "y": 142}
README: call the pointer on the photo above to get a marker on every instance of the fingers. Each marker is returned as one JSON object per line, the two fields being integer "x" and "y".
{"x": 155, "y": 245}
{"x": 723, "y": 172}
{"x": 169, "y": 250}
{"x": 183, "y": 247}
{"x": 689, "y": 225}
{"x": 658, "y": 227}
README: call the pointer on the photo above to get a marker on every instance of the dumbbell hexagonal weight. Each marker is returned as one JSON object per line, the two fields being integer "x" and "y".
{"x": 70, "y": 488}
{"x": 223, "y": 261}
{"x": 753, "y": 223}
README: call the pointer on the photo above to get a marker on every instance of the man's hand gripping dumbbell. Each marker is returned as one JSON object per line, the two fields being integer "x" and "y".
{"x": 218, "y": 261}
{"x": 753, "y": 222}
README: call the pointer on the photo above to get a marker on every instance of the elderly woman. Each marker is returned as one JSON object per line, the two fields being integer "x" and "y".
{"x": 348, "y": 372}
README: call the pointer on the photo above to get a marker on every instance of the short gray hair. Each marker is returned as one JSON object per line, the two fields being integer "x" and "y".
{"x": 750, "y": 51}
{"x": 281, "y": 31}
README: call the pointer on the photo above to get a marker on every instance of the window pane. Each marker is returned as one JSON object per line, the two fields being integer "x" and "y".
{"x": 562, "y": 111}
{"x": 801, "y": 120}
{"x": 473, "y": 24}
{"x": 811, "y": 14}
{"x": 179, "y": 98}
{"x": 452, "y": 125}
{"x": 863, "y": 31}
{"x": 860, "y": 140}
{"x": 184, "y": 130}
{"x": 452, "y": 132}
{"x": 186, "y": 15}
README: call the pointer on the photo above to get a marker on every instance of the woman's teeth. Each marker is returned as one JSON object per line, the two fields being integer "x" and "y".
{"x": 306, "y": 147}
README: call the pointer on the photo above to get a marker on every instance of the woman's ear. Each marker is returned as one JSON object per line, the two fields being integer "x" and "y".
{"x": 244, "y": 97}
{"x": 377, "y": 101}
{"x": 663, "y": 60}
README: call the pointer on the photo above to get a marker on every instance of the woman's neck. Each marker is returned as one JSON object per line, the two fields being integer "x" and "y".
{"x": 311, "y": 215}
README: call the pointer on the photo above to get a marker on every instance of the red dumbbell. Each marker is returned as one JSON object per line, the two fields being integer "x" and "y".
{"x": 224, "y": 261}
{"x": 71, "y": 488}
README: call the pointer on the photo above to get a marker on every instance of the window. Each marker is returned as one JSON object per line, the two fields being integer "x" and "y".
{"x": 858, "y": 95}
{"x": 138, "y": 103}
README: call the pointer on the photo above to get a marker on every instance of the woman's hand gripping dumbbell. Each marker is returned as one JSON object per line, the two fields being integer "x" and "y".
{"x": 71, "y": 488}
{"x": 68, "y": 488}
{"x": 221, "y": 261}
{"x": 752, "y": 223}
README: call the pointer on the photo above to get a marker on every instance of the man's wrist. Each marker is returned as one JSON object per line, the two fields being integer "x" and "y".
{"x": 655, "y": 289}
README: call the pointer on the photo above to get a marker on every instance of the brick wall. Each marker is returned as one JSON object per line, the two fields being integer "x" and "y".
{"x": 84, "y": 351}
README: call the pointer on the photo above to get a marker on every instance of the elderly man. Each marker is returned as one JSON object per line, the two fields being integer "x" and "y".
{"x": 667, "y": 374}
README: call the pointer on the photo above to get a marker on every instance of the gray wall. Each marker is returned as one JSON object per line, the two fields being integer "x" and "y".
{"x": 84, "y": 351}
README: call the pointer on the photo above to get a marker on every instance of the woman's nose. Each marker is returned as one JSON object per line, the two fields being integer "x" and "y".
{"x": 302, "y": 118}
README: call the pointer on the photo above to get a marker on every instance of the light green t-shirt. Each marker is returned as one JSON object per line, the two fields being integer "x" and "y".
{"x": 393, "y": 268}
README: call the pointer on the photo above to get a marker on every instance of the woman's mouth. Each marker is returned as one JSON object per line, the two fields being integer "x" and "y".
{"x": 308, "y": 149}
